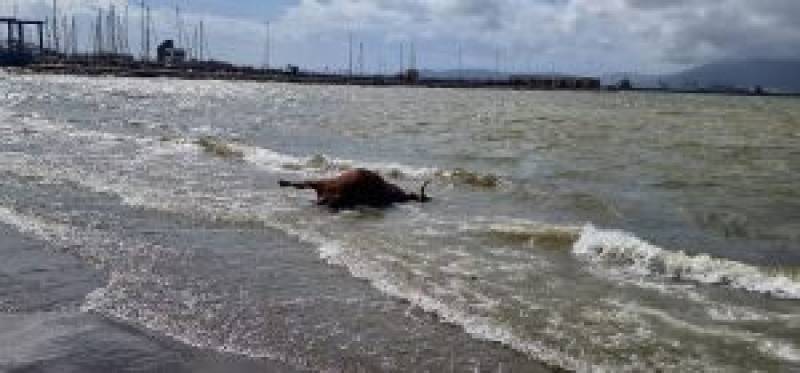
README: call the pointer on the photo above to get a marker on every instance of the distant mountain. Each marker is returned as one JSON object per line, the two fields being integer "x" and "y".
{"x": 639, "y": 80}
{"x": 781, "y": 75}
{"x": 774, "y": 75}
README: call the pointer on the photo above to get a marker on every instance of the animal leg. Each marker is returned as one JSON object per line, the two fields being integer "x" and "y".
{"x": 300, "y": 185}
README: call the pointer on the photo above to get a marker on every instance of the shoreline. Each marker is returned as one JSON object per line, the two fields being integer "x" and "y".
{"x": 201, "y": 72}
{"x": 277, "y": 76}
{"x": 205, "y": 251}
{"x": 41, "y": 324}
{"x": 123, "y": 344}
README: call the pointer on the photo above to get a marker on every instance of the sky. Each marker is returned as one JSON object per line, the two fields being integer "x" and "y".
{"x": 573, "y": 36}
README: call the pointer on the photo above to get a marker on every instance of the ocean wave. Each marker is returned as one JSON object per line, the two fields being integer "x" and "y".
{"x": 316, "y": 165}
{"x": 642, "y": 258}
{"x": 219, "y": 148}
{"x": 479, "y": 326}
{"x": 322, "y": 164}
{"x": 525, "y": 232}
{"x": 777, "y": 348}
{"x": 471, "y": 178}
{"x": 94, "y": 246}
{"x": 139, "y": 290}
{"x": 337, "y": 250}
{"x": 129, "y": 294}
{"x": 33, "y": 124}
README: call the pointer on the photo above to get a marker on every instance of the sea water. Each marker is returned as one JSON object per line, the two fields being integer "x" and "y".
{"x": 590, "y": 231}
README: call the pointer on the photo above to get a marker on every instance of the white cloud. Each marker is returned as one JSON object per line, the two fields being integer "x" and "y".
{"x": 611, "y": 32}
{"x": 574, "y": 35}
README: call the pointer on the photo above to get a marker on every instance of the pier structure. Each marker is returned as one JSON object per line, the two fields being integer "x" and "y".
{"x": 15, "y": 50}
{"x": 170, "y": 55}
{"x": 544, "y": 81}
{"x": 181, "y": 58}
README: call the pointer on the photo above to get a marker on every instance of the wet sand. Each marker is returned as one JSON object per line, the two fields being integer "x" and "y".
{"x": 42, "y": 328}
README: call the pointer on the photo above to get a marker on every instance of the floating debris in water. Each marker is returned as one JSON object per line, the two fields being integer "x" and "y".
{"x": 292, "y": 166}
{"x": 463, "y": 176}
{"x": 539, "y": 236}
{"x": 219, "y": 148}
{"x": 318, "y": 161}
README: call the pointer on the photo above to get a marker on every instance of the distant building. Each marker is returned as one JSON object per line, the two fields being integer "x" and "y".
{"x": 625, "y": 85}
{"x": 168, "y": 54}
{"x": 16, "y": 50}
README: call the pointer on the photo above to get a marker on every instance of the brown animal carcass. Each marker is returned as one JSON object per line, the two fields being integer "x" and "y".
{"x": 357, "y": 187}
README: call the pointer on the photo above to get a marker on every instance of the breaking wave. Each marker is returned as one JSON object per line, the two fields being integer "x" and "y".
{"x": 270, "y": 160}
{"x": 141, "y": 292}
{"x": 133, "y": 269}
{"x": 321, "y": 164}
{"x": 479, "y": 326}
{"x": 636, "y": 256}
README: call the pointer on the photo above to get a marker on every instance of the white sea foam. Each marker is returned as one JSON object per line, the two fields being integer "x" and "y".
{"x": 267, "y": 159}
{"x": 482, "y": 327}
{"x": 280, "y": 162}
{"x": 321, "y": 164}
{"x": 335, "y": 253}
{"x": 594, "y": 244}
{"x": 777, "y": 348}
{"x": 129, "y": 265}
{"x": 642, "y": 258}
